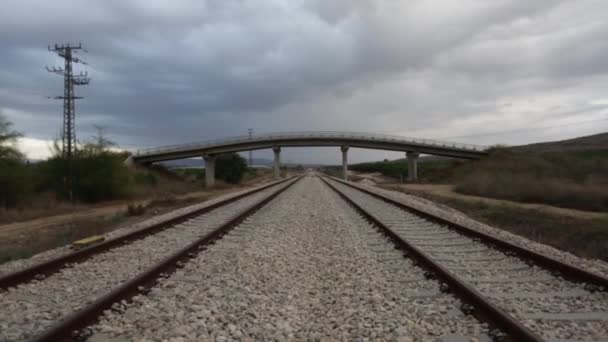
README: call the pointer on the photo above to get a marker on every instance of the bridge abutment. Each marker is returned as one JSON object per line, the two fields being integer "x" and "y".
{"x": 209, "y": 170}
{"x": 344, "y": 150}
{"x": 412, "y": 165}
{"x": 277, "y": 162}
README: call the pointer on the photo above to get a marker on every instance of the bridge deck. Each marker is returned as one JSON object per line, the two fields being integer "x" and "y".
{"x": 287, "y": 139}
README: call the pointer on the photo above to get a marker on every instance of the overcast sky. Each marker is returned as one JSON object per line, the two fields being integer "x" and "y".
{"x": 167, "y": 72}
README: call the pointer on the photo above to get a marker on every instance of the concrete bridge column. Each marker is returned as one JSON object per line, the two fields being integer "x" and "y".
{"x": 412, "y": 165}
{"x": 209, "y": 170}
{"x": 277, "y": 162}
{"x": 344, "y": 150}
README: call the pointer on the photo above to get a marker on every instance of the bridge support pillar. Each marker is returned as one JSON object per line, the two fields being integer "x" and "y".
{"x": 277, "y": 162}
{"x": 412, "y": 165}
{"x": 209, "y": 170}
{"x": 344, "y": 150}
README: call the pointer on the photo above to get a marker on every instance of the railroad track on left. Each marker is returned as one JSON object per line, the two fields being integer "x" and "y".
{"x": 56, "y": 299}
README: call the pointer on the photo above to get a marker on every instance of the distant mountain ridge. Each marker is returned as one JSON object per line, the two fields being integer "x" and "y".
{"x": 589, "y": 142}
{"x": 199, "y": 162}
{"x": 257, "y": 162}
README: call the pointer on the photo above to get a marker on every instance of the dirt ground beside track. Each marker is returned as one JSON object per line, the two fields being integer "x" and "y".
{"x": 446, "y": 190}
{"x": 583, "y": 233}
{"x": 23, "y": 239}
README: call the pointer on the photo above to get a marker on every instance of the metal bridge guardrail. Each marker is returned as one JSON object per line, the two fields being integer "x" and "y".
{"x": 296, "y": 135}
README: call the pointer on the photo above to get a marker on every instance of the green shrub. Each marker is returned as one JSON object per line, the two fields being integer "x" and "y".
{"x": 14, "y": 172}
{"x": 428, "y": 170}
{"x": 145, "y": 178}
{"x": 191, "y": 173}
{"x": 15, "y": 185}
{"x": 387, "y": 168}
{"x": 98, "y": 175}
{"x": 230, "y": 167}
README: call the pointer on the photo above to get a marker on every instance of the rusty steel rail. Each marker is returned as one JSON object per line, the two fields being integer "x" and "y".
{"x": 73, "y": 327}
{"x": 567, "y": 271}
{"x": 484, "y": 310}
{"x": 49, "y": 267}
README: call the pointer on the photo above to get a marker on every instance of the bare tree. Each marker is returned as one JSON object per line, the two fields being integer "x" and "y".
{"x": 8, "y": 140}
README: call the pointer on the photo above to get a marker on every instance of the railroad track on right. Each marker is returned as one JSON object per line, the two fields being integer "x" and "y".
{"x": 529, "y": 296}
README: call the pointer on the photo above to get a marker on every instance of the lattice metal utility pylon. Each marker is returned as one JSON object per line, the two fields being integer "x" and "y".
{"x": 68, "y": 134}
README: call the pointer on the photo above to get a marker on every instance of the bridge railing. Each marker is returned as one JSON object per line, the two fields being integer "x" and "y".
{"x": 297, "y": 135}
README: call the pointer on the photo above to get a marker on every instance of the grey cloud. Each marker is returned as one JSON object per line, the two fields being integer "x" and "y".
{"x": 174, "y": 72}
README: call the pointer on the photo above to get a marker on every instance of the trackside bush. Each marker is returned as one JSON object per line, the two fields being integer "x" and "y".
{"x": 14, "y": 172}
{"x": 14, "y": 182}
{"x": 230, "y": 167}
{"x": 98, "y": 175}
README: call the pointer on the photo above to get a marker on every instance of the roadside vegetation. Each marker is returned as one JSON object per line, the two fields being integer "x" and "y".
{"x": 573, "y": 179}
{"x": 230, "y": 168}
{"x": 577, "y": 180}
{"x": 585, "y": 237}
{"x": 561, "y": 175}
{"x": 14, "y": 173}
{"x": 429, "y": 169}
{"x": 34, "y": 197}
{"x": 99, "y": 175}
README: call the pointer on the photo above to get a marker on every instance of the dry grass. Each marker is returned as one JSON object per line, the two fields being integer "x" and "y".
{"x": 355, "y": 178}
{"x": 525, "y": 188}
{"x": 45, "y": 204}
{"x": 149, "y": 184}
{"x": 164, "y": 195}
{"x": 556, "y": 179}
{"x": 585, "y": 237}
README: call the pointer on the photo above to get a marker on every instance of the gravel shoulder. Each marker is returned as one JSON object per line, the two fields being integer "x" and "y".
{"x": 443, "y": 211}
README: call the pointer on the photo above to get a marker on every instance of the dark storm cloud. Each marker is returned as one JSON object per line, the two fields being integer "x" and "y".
{"x": 169, "y": 72}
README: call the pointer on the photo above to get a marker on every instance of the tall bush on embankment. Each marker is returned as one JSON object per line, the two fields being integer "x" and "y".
{"x": 99, "y": 174}
{"x": 230, "y": 167}
{"x": 14, "y": 172}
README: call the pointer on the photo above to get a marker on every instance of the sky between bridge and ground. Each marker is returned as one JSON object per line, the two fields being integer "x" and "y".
{"x": 476, "y": 71}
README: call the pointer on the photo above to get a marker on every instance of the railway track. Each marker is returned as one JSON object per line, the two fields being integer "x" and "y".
{"x": 528, "y": 296}
{"x": 41, "y": 269}
{"x": 311, "y": 258}
{"x": 63, "y": 295}
{"x": 305, "y": 267}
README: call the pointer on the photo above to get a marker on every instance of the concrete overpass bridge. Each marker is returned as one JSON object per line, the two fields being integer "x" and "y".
{"x": 412, "y": 147}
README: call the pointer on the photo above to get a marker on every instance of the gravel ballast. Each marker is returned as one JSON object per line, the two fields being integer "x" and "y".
{"x": 305, "y": 267}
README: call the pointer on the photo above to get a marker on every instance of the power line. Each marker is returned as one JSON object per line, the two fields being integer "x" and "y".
{"x": 68, "y": 133}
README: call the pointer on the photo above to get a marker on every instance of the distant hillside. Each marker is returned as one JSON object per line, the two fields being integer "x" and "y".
{"x": 590, "y": 142}
{"x": 199, "y": 163}
{"x": 257, "y": 162}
